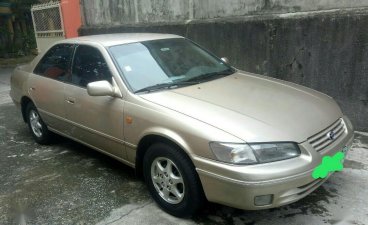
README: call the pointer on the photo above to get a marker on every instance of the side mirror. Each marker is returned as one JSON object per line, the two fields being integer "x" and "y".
{"x": 225, "y": 60}
{"x": 100, "y": 88}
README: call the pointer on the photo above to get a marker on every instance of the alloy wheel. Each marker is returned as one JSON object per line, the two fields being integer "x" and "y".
{"x": 35, "y": 122}
{"x": 167, "y": 180}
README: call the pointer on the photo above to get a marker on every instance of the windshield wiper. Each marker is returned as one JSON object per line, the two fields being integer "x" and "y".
{"x": 191, "y": 81}
{"x": 212, "y": 75}
{"x": 165, "y": 86}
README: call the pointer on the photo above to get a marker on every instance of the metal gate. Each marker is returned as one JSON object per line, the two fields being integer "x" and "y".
{"x": 48, "y": 24}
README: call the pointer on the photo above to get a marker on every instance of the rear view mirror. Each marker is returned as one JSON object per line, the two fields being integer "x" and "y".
{"x": 100, "y": 88}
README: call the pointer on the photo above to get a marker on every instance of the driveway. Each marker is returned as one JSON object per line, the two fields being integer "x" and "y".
{"x": 5, "y": 84}
{"x": 67, "y": 183}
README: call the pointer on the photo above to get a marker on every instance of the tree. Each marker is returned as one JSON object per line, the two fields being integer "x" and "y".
{"x": 23, "y": 7}
{"x": 23, "y": 38}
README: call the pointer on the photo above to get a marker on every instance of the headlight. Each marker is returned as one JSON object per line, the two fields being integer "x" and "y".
{"x": 269, "y": 152}
{"x": 233, "y": 153}
{"x": 252, "y": 153}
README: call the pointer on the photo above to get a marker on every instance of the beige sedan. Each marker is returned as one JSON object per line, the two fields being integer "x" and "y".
{"x": 196, "y": 128}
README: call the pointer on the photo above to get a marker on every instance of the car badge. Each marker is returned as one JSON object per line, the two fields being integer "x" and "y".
{"x": 331, "y": 135}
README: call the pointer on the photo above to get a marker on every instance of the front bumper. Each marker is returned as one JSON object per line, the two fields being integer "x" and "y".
{"x": 287, "y": 181}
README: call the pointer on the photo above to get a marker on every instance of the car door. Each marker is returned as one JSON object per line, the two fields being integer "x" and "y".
{"x": 96, "y": 121}
{"x": 46, "y": 86}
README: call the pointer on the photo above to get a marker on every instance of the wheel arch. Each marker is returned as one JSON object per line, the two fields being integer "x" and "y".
{"x": 149, "y": 139}
{"x": 193, "y": 185}
{"x": 24, "y": 102}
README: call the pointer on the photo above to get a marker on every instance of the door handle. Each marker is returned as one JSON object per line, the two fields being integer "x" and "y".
{"x": 70, "y": 100}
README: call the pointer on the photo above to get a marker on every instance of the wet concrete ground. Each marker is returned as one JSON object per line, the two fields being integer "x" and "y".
{"x": 68, "y": 183}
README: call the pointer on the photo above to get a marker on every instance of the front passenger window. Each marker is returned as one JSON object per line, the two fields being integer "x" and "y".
{"x": 89, "y": 66}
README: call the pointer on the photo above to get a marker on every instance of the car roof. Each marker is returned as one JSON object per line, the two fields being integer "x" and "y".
{"x": 121, "y": 38}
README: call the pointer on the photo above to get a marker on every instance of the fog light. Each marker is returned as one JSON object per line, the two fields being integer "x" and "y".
{"x": 263, "y": 200}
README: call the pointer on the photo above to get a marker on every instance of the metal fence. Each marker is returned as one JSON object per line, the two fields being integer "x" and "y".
{"x": 48, "y": 24}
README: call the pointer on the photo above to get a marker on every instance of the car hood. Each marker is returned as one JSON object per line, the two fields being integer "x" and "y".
{"x": 253, "y": 107}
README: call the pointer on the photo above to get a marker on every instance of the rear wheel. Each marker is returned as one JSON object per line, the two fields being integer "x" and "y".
{"x": 37, "y": 127}
{"x": 172, "y": 180}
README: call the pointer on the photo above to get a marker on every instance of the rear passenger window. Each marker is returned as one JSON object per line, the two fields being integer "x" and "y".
{"x": 89, "y": 66}
{"x": 56, "y": 62}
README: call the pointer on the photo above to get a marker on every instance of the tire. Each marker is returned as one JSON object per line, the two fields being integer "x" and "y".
{"x": 36, "y": 125}
{"x": 182, "y": 179}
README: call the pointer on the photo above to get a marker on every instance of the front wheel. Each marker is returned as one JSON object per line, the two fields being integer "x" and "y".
{"x": 172, "y": 180}
{"x": 37, "y": 127}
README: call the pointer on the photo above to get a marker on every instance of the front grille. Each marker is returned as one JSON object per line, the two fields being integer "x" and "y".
{"x": 322, "y": 139}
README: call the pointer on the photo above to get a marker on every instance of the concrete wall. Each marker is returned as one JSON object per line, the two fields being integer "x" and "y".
{"x": 158, "y": 10}
{"x": 110, "y": 12}
{"x": 117, "y": 12}
{"x": 206, "y": 9}
{"x": 326, "y": 50}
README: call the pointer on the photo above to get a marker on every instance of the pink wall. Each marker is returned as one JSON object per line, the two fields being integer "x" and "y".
{"x": 71, "y": 17}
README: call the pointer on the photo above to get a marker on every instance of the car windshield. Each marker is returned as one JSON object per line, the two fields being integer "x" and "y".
{"x": 167, "y": 63}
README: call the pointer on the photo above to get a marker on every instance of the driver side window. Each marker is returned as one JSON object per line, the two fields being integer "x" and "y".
{"x": 89, "y": 66}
